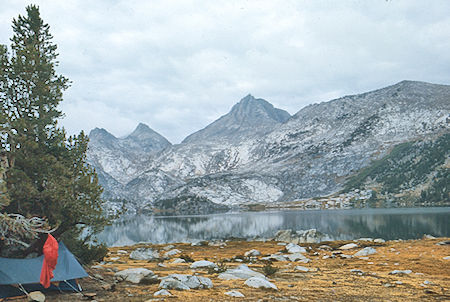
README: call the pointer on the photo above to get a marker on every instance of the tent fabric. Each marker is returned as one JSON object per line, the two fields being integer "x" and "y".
{"x": 50, "y": 250}
{"x": 13, "y": 291}
{"x": 27, "y": 271}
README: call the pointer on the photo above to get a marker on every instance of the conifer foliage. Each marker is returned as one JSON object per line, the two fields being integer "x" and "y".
{"x": 47, "y": 173}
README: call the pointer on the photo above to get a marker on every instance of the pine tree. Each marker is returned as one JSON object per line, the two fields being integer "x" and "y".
{"x": 48, "y": 174}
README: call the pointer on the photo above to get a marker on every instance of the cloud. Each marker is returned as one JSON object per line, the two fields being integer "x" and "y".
{"x": 177, "y": 66}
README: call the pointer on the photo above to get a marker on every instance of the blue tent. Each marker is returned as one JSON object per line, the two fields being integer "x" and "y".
{"x": 25, "y": 274}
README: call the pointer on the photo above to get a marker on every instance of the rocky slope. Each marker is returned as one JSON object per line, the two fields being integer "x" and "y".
{"x": 257, "y": 154}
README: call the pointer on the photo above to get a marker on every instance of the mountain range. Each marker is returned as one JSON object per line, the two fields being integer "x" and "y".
{"x": 257, "y": 153}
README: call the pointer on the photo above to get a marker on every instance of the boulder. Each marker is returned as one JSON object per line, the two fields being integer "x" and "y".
{"x": 144, "y": 254}
{"x": 36, "y": 296}
{"x": 234, "y": 293}
{"x": 348, "y": 246}
{"x": 365, "y": 252}
{"x": 275, "y": 257}
{"x": 379, "y": 240}
{"x": 294, "y": 248}
{"x": 171, "y": 283}
{"x": 185, "y": 282}
{"x": 302, "y": 236}
{"x": 298, "y": 257}
{"x": 252, "y": 253}
{"x": 257, "y": 282}
{"x": 162, "y": 292}
{"x": 401, "y": 272}
{"x": 172, "y": 253}
{"x": 203, "y": 264}
{"x": 241, "y": 272}
{"x": 178, "y": 260}
{"x": 136, "y": 275}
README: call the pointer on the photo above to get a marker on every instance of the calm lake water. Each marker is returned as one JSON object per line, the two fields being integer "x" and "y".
{"x": 400, "y": 223}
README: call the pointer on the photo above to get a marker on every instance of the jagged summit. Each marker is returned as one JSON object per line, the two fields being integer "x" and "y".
{"x": 250, "y": 116}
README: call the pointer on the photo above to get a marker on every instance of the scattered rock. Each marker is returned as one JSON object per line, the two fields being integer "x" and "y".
{"x": 256, "y": 282}
{"x": 302, "y": 269}
{"x": 144, "y": 254}
{"x": 365, "y": 252}
{"x": 282, "y": 243}
{"x": 171, "y": 283}
{"x": 446, "y": 258}
{"x": 443, "y": 242}
{"x": 343, "y": 256}
{"x": 294, "y": 248}
{"x": 275, "y": 257}
{"x": 162, "y": 265}
{"x": 172, "y": 253}
{"x": 426, "y": 236}
{"x": 136, "y": 275}
{"x": 168, "y": 247}
{"x": 234, "y": 293}
{"x": 36, "y": 296}
{"x": 107, "y": 286}
{"x": 252, "y": 253}
{"x": 401, "y": 272}
{"x": 178, "y": 260}
{"x": 357, "y": 271}
{"x": 185, "y": 282}
{"x": 302, "y": 236}
{"x": 241, "y": 272}
{"x": 379, "y": 240}
{"x": 365, "y": 239}
{"x": 203, "y": 264}
{"x": 162, "y": 292}
{"x": 298, "y": 257}
{"x": 325, "y": 247}
{"x": 348, "y": 246}
{"x": 122, "y": 252}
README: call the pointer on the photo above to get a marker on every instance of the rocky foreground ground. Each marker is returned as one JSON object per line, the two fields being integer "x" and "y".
{"x": 360, "y": 270}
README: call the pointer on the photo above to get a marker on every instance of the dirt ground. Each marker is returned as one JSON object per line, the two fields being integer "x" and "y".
{"x": 331, "y": 279}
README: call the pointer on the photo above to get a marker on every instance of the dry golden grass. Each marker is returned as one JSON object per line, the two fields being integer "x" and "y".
{"x": 331, "y": 279}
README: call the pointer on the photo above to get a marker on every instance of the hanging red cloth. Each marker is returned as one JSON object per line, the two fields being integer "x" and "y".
{"x": 50, "y": 251}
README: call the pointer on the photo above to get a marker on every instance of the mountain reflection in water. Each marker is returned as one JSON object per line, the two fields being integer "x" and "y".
{"x": 339, "y": 224}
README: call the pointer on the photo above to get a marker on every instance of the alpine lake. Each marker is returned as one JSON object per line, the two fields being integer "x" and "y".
{"x": 389, "y": 224}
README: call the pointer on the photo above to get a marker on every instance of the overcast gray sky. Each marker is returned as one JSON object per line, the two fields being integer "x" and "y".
{"x": 179, "y": 65}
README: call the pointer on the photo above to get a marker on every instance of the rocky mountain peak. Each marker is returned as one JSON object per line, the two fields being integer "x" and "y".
{"x": 101, "y": 136}
{"x": 250, "y": 116}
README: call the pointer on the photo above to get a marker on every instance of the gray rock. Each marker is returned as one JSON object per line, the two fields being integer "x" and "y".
{"x": 234, "y": 293}
{"x": 298, "y": 257}
{"x": 36, "y": 296}
{"x": 365, "y": 252}
{"x": 310, "y": 236}
{"x": 301, "y": 269}
{"x": 365, "y": 239}
{"x": 275, "y": 257}
{"x": 446, "y": 258}
{"x": 379, "y": 240}
{"x": 446, "y": 242}
{"x": 168, "y": 247}
{"x": 401, "y": 272}
{"x": 185, "y": 282}
{"x": 135, "y": 275}
{"x": 256, "y": 282}
{"x": 122, "y": 252}
{"x": 203, "y": 264}
{"x": 144, "y": 254}
{"x": 283, "y": 235}
{"x": 294, "y": 248}
{"x": 178, "y": 260}
{"x": 426, "y": 236}
{"x": 348, "y": 246}
{"x": 162, "y": 292}
{"x": 252, "y": 253}
{"x": 241, "y": 272}
{"x": 172, "y": 253}
{"x": 171, "y": 283}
